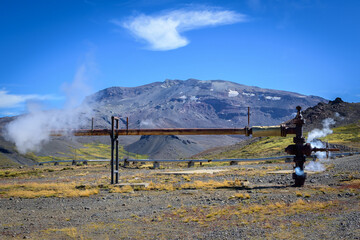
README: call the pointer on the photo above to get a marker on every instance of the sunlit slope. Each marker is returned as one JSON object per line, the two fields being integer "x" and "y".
{"x": 267, "y": 146}
{"x": 6, "y": 162}
{"x": 89, "y": 151}
{"x": 348, "y": 135}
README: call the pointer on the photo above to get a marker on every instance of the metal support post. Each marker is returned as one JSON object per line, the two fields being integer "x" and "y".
{"x": 156, "y": 165}
{"x": 117, "y": 153}
{"x": 127, "y": 124}
{"x": 112, "y": 136}
{"x": 299, "y": 175}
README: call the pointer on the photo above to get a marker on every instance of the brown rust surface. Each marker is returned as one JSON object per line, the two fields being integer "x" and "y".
{"x": 162, "y": 131}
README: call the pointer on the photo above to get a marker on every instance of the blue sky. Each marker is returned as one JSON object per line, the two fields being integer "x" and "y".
{"x": 51, "y": 51}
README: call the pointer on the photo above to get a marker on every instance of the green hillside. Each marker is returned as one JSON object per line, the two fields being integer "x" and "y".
{"x": 348, "y": 135}
{"x": 89, "y": 151}
{"x": 6, "y": 162}
{"x": 267, "y": 146}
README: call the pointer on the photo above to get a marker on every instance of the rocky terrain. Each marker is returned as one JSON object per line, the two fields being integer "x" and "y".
{"x": 248, "y": 201}
{"x": 342, "y": 112}
{"x": 251, "y": 200}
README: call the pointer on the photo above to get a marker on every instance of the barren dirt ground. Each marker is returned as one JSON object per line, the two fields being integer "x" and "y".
{"x": 243, "y": 202}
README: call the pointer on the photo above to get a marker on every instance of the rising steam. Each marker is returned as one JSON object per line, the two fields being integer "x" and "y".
{"x": 30, "y": 131}
{"x": 315, "y": 142}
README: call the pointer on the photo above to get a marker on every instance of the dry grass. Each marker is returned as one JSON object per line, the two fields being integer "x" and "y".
{"x": 197, "y": 184}
{"x": 351, "y": 184}
{"x": 249, "y": 212}
{"x": 124, "y": 189}
{"x": 241, "y": 196}
{"x": 17, "y": 173}
{"x": 35, "y": 190}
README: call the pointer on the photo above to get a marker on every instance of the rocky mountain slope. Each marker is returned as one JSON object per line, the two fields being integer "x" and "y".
{"x": 342, "y": 112}
{"x": 196, "y": 103}
{"x": 176, "y": 103}
{"x": 193, "y": 104}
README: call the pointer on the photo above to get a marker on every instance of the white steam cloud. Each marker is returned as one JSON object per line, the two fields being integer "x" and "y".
{"x": 163, "y": 32}
{"x": 313, "y": 140}
{"x": 29, "y": 132}
{"x": 317, "y": 133}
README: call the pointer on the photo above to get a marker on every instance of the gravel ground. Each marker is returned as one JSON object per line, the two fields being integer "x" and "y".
{"x": 326, "y": 208}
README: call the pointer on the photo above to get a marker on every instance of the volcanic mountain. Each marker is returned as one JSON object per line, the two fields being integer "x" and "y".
{"x": 176, "y": 104}
{"x": 193, "y": 104}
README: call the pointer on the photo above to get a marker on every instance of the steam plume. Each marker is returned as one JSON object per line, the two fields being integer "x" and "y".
{"x": 29, "y": 132}
{"x": 313, "y": 140}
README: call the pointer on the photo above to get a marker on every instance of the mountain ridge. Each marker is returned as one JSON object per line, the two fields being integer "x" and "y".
{"x": 188, "y": 103}
{"x": 212, "y": 100}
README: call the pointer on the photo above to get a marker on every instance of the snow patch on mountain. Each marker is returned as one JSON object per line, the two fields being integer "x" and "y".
{"x": 233, "y": 93}
{"x": 272, "y": 98}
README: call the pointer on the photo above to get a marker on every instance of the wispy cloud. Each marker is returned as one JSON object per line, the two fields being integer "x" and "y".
{"x": 163, "y": 31}
{"x": 13, "y": 100}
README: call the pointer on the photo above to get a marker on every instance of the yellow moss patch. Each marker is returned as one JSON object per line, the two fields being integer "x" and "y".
{"x": 241, "y": 196}
{"x": 34, "y": 190}
{"x": 253, "y": 212}
{"x": 124, "y": 189}
{"x": 70, "y": 232}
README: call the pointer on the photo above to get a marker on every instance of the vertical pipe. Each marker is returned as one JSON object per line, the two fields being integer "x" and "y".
{"x": 112, "y": 135}
{"x": 92, "y": 124}
{"x": 299, "y": 176}
{"x": 327, "y": 152}
{"x": 117, "y": 154}
{"x": 127, "y": 124}
{"x": 248, "y": 116}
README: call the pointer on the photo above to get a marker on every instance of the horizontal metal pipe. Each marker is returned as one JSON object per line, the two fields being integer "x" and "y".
{"x": 183, "y": 131}
{"x": 162, "y": 131}
{"x": 326, "y": 150}
{"x": 196, "y": 160}
{"x": 260, "y": 131}
{"x": 254, "y": 131}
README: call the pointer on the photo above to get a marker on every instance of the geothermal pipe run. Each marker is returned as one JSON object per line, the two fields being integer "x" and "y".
{"x": 254, "y": 131}
{"x": 299, "y": 149}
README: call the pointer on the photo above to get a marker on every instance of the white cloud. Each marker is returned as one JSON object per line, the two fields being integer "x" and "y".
{"x": 12, "y": 100}
{"x": 162, "y": 32}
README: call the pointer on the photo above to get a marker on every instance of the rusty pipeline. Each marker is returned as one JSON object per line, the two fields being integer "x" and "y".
{"x": 306, "y": 149}
{"x": 299, "y": 149}
{"x": 254, "y": 131}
